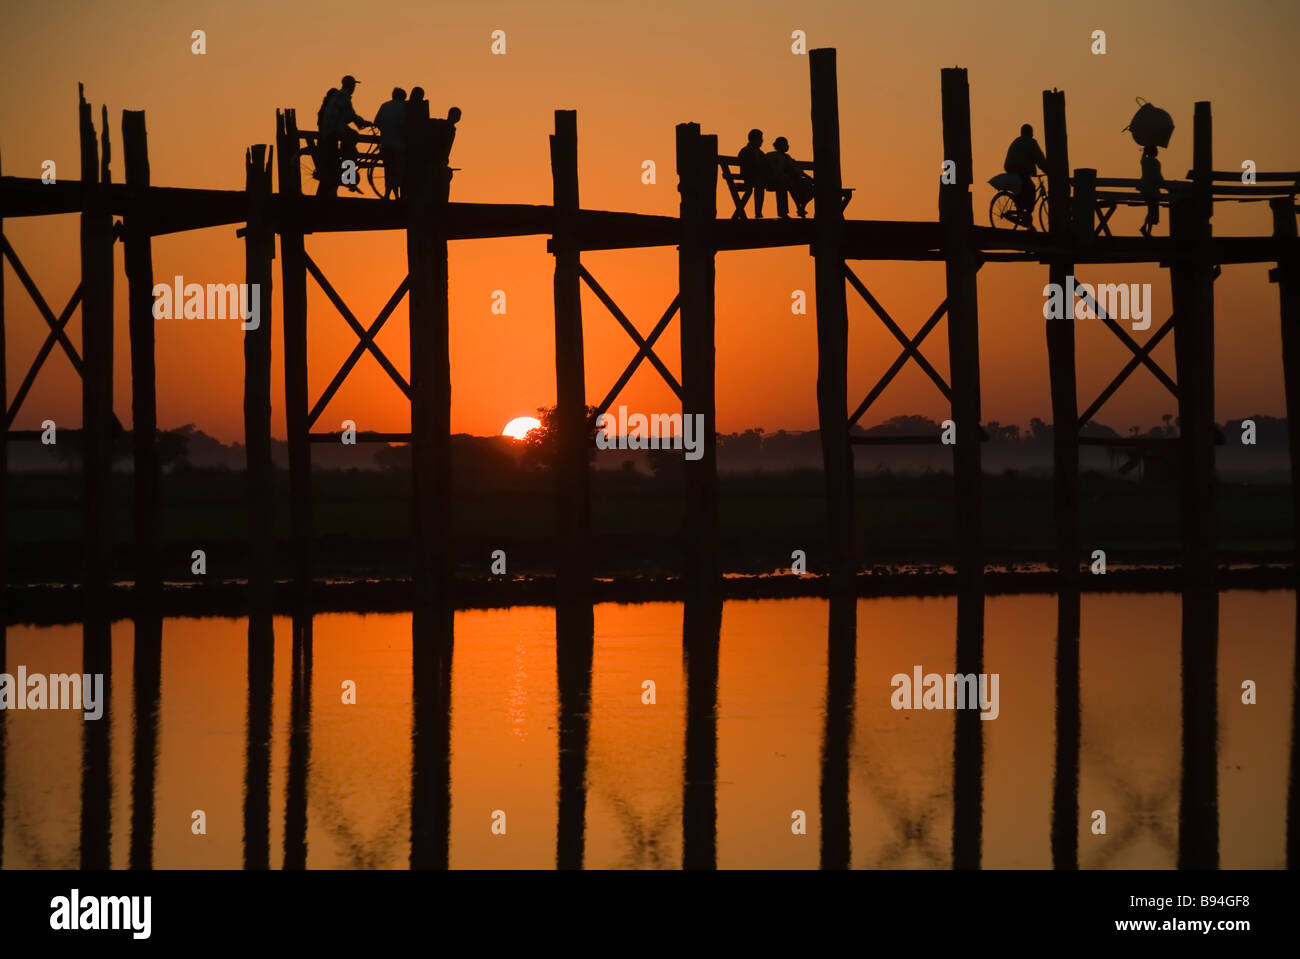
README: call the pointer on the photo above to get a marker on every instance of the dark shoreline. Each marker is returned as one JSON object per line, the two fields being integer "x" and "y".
{"x": 48, "y": 604}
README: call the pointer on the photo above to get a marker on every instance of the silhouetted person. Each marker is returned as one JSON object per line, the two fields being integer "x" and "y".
{"x": 785, "y": 178}
{"x": 1024, "y": 159}
{"x": 1149, "y": 186}
{"x": 338, "y": 141}
{"x": 752, "y": 172}
{"x": 417, "y": 94}
{"x": 391, "y": 120}
{"x": 453, "y": 117}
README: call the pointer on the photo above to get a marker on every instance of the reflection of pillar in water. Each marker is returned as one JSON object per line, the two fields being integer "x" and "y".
{"x": 96, "y": 785}
{"x": 1198, "y": 811}
{"x": 1065, "y": 785}
{"x": 968, "y": 750}
{"x": 295, "y": 804}
{"x": 840, "y": 673}
{"x": 701, "y": 625}
{"x": 432, "y": 631}
{"x": 257, "y": 763}
{"x": 573, "y": 654}
{"x": 4, "y": 628}
{"x": 146, "y": 691}
{"x": 1293, "y": 786}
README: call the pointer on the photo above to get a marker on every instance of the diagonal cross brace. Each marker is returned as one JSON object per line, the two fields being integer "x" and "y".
{"x": 909, "y": 348}
{"x": 1129, "y": 367}
{"x": 1142, "y": 355}
{"x": 357, "y": 328}
{"x": 365, "y": 340}
{"x": 56, "y": 331}
{"x": 645, "y": 347}
{"x": 41, "y": 305}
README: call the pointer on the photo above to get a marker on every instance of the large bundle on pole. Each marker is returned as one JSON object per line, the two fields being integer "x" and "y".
{"x": 1151, "y": 126}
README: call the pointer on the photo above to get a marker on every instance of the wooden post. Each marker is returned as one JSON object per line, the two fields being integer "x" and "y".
{"x": 956, "y": 217}
{"x": 1060, "y": 349}
{"x": 293, "y": 276}
{"x": 1065, "y": 484}
{"x": 1287, "y": 277}
{"x": 837, "y": 739}
{"x": 963, "y": 322}
{"x": 97, "y": 361}
{"x": 1193, "y": 294}
{"x": 428, "y": 181}
{"x": 832, "y": 319}
{"x": 697, "y": 166}
{"x": 701, "y": 635}
{"x": 138, "y": 256}
{"x": 572, "y": 480}
{"x": 4, "y": 513}
{"x": 259, "y": 250}
{"x": 1085, "y": 206}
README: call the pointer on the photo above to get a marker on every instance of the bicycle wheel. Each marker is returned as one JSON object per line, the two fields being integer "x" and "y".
{"x": 1003, "y": 213}
{"x": 1044, "y": 222}
{"x": 374, "y": 169}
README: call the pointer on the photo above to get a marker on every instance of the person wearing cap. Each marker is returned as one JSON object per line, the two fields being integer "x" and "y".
{"x": 339, "y": 143}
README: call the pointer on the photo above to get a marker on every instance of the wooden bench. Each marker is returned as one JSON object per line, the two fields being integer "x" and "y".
{"x": 741, "y": 189}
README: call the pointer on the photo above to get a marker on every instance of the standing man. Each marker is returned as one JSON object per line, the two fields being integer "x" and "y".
{"x": 752, "y": 172}
{"x": 391, "y": 120}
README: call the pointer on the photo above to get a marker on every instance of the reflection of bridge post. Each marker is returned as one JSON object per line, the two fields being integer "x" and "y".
{"x": 1065, "y": 784}
{"x": 4, "y": 628}
{"x": 96, "y": 783}
{"x": 257, "y": 761}
{"x": 432, "y": 630}
{"x": 1192, "y": 279}
{"x": 573, "y": 653}
{"x": 295, "y": 803}
{"x": 146, "y": 692}
{"x": 701, "y": 628}
{"x": 841, "y": 666}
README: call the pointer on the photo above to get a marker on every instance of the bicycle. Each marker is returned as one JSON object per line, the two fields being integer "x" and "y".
{"x": 368, "y": 160}
{"x": 1004, "y": 210}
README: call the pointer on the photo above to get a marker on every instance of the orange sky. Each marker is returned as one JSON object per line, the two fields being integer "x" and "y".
{"x": 633, "y": 71}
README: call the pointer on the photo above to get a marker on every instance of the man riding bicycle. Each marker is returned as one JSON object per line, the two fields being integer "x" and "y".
{"x": 1024, "y": 159}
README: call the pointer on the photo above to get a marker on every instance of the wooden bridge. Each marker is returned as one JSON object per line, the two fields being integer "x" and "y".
{"x": 134, "y": 211}
{"x": 1080, "y": 204}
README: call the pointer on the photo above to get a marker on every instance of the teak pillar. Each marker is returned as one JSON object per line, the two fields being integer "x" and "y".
{"x": 425, "y": 193}
{"x": 138, "y": 255}
{"x": 259, "y": 250}
{"x": 832, "y": 320}
{"x": 697, "y": 165}
{"x": 293, "y": 276}
{"x": 97, "y": 361}
{"x": 572, "y": 480}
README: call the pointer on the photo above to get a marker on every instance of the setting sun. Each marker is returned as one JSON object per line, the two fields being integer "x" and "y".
{"x": 521, "y": 426}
